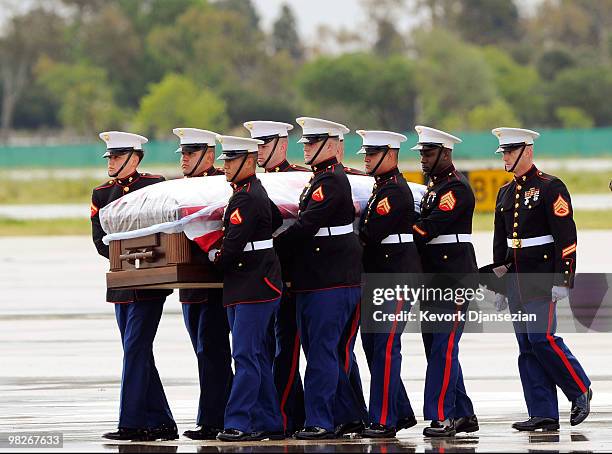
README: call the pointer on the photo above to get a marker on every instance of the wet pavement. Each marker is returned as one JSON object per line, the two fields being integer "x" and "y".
{"x": 60, "y": 365}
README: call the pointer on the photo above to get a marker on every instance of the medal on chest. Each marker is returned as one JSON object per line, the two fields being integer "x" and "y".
{"x": 532, "y": 193}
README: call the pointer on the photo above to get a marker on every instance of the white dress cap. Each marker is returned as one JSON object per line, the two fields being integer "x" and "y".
{"x": 318, "y": 126}
{"x": 259, "y": 129}
{"x": 345, "y": 130}
{"x": 380, "y": 139}
{"x": 234, "y": 147}
{"x": 512, "y": 137}
{"x": 429, "y": 135}
{"x": 194, "y": 136}
{"x": 118, "y": 139}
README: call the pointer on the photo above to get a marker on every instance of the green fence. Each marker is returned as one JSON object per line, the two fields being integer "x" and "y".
{"x": 563, "y": 143}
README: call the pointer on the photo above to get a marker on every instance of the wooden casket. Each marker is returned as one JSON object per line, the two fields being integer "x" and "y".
{"x": 160, "y": 261}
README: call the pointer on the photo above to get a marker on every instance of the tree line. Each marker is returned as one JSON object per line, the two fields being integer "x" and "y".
{"x": 150, "y": 65}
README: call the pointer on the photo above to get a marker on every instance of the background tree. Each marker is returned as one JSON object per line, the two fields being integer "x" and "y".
{"x": 84, "y": 94}
{"x": 453, "y": 78}
{"x": 178, "y": 101}
{"x": 25, "y": 39}
{"x": 371, "y": 91}
{"x": 487, "y": 21}
{"x": 285, "y": 35}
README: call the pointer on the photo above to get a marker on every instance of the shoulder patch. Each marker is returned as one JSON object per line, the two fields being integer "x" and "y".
{"x": 561, "y": 207}
{"x": 318, "y": 194}
{"x": 383, "y": 207}
{"x": 447, "y": 201}
{"x": 235, "y": 217}
{"x": 93, "y": 210}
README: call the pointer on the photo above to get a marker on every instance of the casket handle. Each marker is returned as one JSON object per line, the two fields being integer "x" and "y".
{"x": 133, "y": 256}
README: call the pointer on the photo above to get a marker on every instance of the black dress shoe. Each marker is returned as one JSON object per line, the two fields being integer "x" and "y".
{"x": 128, "y": 435}
{"x": 444, "y": 428}
{"x": 267, "y": 435}
{"x": 164, "y": 433}
{"x": 379, "y": 431}
{"x": 537, "y": 422}
{"x": 314, "y": 433}
{"x": 353, "y": 427}
{"x": 466, "y": 424}
{"x": 581, "y": 407}
{"x": 406, "y": 423}
{"x": 234, "y": 435}
{"x": 203, "y": 433}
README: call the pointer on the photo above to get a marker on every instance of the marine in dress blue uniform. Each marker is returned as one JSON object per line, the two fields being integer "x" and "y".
{"x": 252, "y": 289}
{"x": 349, "y": 336}
{"x": 535, "y": 233}
{"x": 385, "y": 230}
{"x": 326, "y": 279}
{"x": 272, "y": 157}
{"x": 443, "y": 235}
{"x": 144, "y": 413}
{"x": 203, "y": 312}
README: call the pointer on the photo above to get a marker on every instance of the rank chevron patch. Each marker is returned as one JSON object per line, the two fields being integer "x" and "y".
{"x": 235, "y": 217}
{"x": 561, "y": 207}
{"x": 447, "y": 201}
{"x": 318, "y": 195}
{"x": 383, "y": 207}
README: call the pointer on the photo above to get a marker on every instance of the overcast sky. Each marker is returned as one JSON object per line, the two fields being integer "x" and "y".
{"x": 335, "y": 13}
{"x": 310, "y": 13}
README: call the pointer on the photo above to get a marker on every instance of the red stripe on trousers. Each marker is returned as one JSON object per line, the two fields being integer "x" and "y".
{"x": 389, "y": 346}
{"x": 447, "y": 370}
{"x": 559, "y": 352}
{"x": 354, "y": 327}
{"x": 294, "y": 361}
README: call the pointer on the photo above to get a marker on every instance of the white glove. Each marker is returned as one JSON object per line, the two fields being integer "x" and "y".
{"x": 559, "y": 293}
{"x": 501, "y": 302}
{"x": 211, "y": 254}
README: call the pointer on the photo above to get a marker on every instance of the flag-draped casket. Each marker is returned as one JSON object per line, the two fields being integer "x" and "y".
{"x": 159, "y": 235}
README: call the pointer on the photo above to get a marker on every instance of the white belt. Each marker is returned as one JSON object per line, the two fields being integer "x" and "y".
{"x": 517, "y": 243}
{"x": 453, "y": 238}
{"x": 336, "y": 230}
{"x": 395, "y": 238}
{"x": 258, "y": 245}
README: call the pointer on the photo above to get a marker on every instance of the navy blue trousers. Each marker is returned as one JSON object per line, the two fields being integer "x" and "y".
{"x": 143, "y": 403}
{"x": 208, "y": 330}
{"x": 286, "y": 366}
{"x": 322, "y": 317}
{"x": 388, "y": 398}
{"x": 544, "y": 362}
{"x": 253, "y": 402}
{"x": 349, "y": 362}
{"x": 445, "y": 394}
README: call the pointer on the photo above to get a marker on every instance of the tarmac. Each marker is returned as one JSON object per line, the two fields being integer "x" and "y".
{"x": 60, "y": 364}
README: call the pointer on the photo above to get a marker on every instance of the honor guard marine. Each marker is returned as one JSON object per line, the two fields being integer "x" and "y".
{"x": 326, "y": 279}
{"x": 144, "y": 412}
{"x": 203, "y": 312}
{"x": 535, "y": 233}
{"x": 443, "y": 234}
{"x": 272, "y": 157}
{"x": 252, "y": 289}
{"x": 385, "y": 230}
